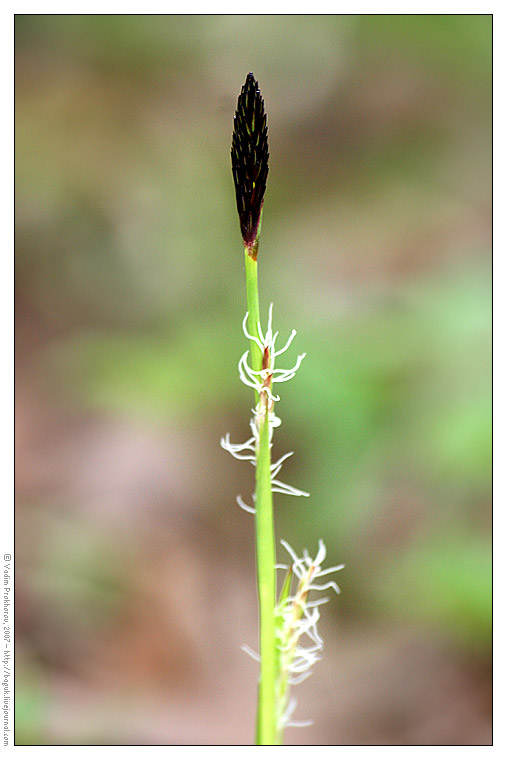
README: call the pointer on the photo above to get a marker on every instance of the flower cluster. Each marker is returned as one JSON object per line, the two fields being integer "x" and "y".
{"x": 298, "y": 640}
{"x": 298, "y": 643}
{"x": 262, "y": 381}
{"x": 250, "y": 154}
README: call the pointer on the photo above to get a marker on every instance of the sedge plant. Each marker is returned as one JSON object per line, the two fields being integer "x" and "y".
{"x": 289, "y": 643}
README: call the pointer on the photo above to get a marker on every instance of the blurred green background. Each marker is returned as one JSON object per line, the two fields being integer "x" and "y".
{"x": 135, "y": 567}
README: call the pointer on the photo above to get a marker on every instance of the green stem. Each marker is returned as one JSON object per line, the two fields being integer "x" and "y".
{"x": 252, "y": 301}
{"x": 267, "y": 733}
{"x": 265, "y": 534}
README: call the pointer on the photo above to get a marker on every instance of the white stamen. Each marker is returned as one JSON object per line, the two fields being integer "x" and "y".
{"x": 280, "y": 487}
{"x": 277, "y": 466}
{"x": 284, "y": 349}
{"x": 250, "y": 652}
{"x": 298, "y": 723}
{"x": 331, "y": 584}
{"x": 330, "y": 570}
{"x": 245, "y": 506}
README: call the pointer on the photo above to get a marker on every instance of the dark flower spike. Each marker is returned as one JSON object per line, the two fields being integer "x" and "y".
{"x": 250, "y": 161}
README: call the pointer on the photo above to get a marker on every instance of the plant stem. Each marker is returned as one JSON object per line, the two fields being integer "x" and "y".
{"x": 265, "y": 542}
{"x": 252, "y": 300}
{"x": 267, "y": 733}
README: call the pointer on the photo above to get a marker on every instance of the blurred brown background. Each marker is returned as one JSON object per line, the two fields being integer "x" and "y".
{"x": 135, "y": 567}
